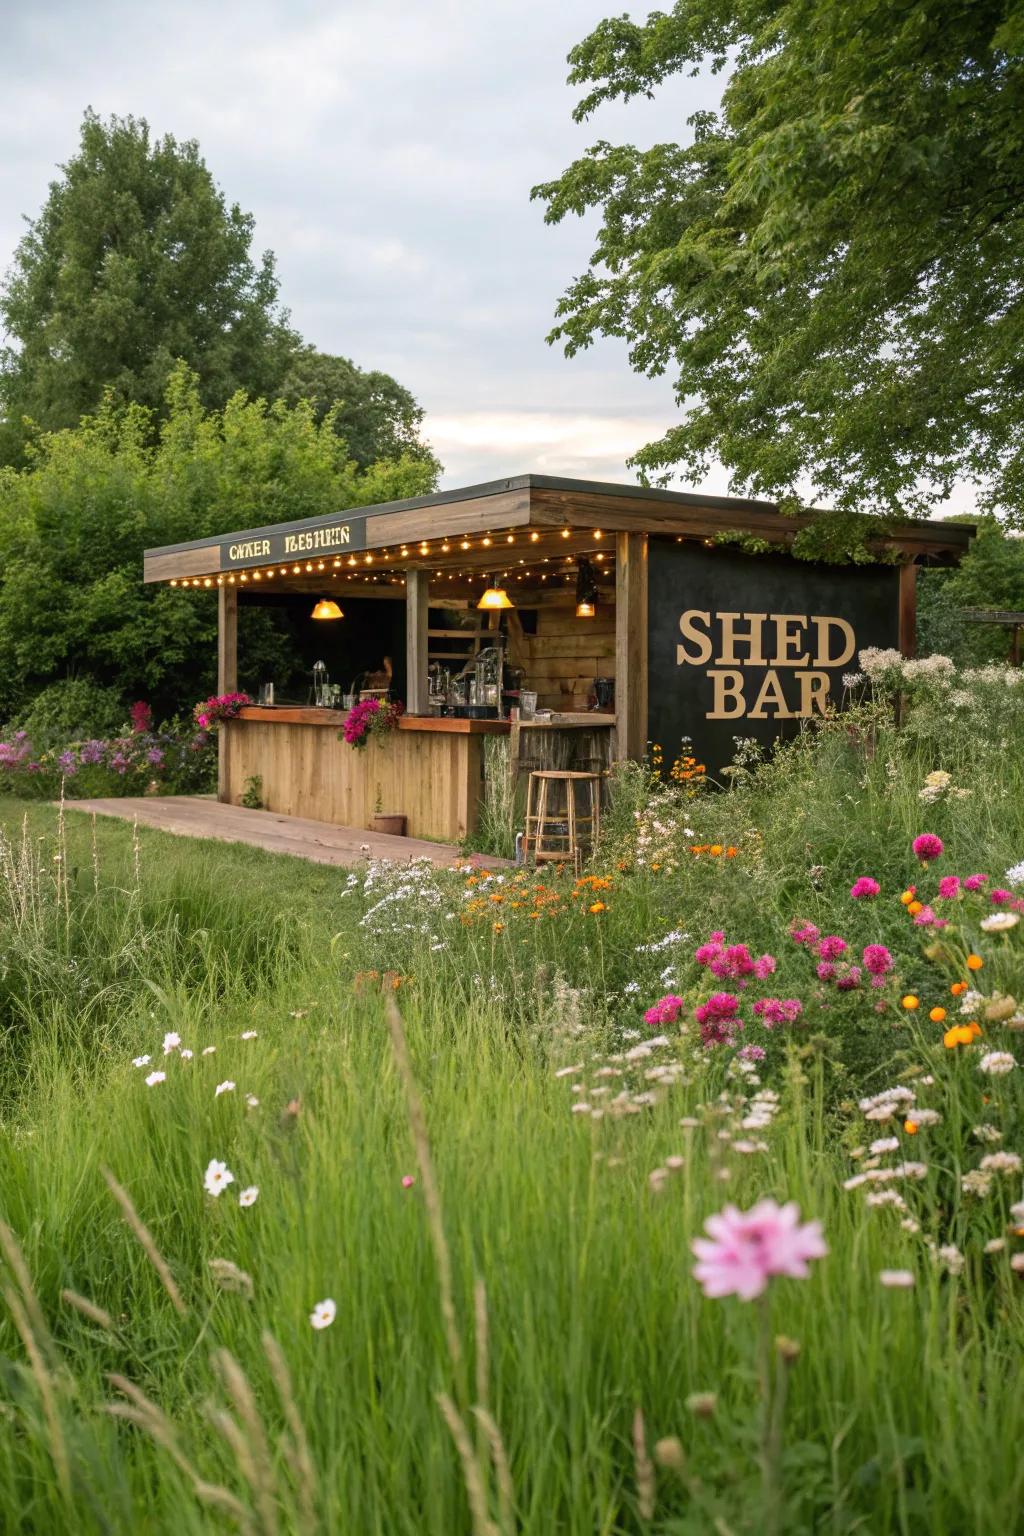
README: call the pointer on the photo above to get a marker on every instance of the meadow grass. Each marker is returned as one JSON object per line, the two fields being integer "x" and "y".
{"x": 573, "y": 1305}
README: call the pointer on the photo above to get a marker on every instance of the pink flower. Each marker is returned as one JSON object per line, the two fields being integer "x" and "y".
{"x": 831, "y": 947}
{"x": 1000, "y": 897}
{"x": 927, "y": 847}
{"x": 877, "y": 960}
{"x": 202, "y": 721}
{"x": 408, "y": 1181}
{"x": 778, "y": 1010}
{"x": 803, "y": 933}
{"x": 848, "y": 979}
{"x": 974, "y": 882}
{"x": 744, "y": 1249}
{"x": 864, "y": 887}
{"x": 825, "y": 970}
{"x": 718, "y": 1019}
{"x": 764, "y": 966}
{"x": 665, "y": 1011}
{"x": 949, "y": 887}
{"x": 926, "y": 918}
{"x": 752, "y": 1053}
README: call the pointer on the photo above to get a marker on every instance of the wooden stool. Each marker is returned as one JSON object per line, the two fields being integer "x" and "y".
{"x": 551, "y": 836}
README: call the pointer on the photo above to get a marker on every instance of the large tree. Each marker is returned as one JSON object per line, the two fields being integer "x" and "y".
{"x": 377, "y": 416}
{"x": 136, "y": 260}
{"x": 833, "y": 268}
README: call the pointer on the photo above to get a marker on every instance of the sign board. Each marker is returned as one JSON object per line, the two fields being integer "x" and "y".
{"x": 750, "y": 645}
{"x": 315, "y": 541}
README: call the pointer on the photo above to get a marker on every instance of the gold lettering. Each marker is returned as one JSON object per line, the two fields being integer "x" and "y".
{"x": 752, "y": 639}
{"x": 771, "y": 693}
{"x": 688, "y": 627}
{"x": 728, "y": 688}
{"x": 813, "y": 692}
{"x": 849, "y": 642}
{"x": 785, "y": 640}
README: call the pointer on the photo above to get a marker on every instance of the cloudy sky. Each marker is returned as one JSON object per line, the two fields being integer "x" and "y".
{"x": 387, "y": 149}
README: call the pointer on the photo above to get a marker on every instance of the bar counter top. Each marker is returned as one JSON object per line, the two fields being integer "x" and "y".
{"x": 287, "y": 714}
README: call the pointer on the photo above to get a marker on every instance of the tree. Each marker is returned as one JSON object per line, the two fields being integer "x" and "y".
{"x": 376, "y": 416}
{"x": 833, "y": 268}
{"x": 991, "y": 576}
{"x": 75, "y": 521}
{"x": 136, "y": 260}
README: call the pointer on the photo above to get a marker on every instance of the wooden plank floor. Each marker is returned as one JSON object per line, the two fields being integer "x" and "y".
{"x": 319, "y": 841}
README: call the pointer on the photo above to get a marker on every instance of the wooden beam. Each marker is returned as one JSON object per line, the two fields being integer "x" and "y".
{"x": 908, "y": 609}
{"x": 417, "y": 602}
{"x": 630, "y": 645}
{"x": 227, "y": 672}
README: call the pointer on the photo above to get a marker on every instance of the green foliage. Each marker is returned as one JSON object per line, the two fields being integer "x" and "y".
{"x": 830, "y": 269}
{"x": 991, "y": 576}
{"x": 70, "y": 710}
{"x": 75, "y": 521}
{"x": 375, "y": 416}
{"x": 135, "y": 261}
{"x": 252, "y": 794}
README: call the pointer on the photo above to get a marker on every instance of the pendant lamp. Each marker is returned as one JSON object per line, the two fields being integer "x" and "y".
{"x": 586, "y": 590}
{"x": 327, "y": 608}
{"x": 495, "y": 597}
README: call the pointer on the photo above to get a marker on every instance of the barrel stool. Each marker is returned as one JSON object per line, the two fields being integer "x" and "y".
{"x": 556, "y": 826}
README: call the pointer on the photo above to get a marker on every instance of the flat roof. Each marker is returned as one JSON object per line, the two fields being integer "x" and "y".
{"x": 532, "y": 501}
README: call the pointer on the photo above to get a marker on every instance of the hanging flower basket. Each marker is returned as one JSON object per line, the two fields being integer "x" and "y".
{"x": 377, "y": 716}
{"x": 223, "y": 706}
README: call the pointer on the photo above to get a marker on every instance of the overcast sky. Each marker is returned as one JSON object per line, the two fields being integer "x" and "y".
{"x": 387, "y": 150}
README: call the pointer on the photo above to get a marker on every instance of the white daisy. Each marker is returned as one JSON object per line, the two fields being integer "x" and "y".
{"x": 227, "y": 1086}
{"x": 323, "y": 1314}
{"x": 248, "y": 1196}
{"x": 171, "y": 1041}
{"x": 217, "y": 1177}
{"x": 154, "y": 1078}
{"x": 141, "y": 1061}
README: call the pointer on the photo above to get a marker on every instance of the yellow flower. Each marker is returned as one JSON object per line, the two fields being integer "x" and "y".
{"x": 598, "y": 906}
{"x": 910, "y": 1002}
{"x": 498, "y": 927}
{"x": 910, "y": 1126}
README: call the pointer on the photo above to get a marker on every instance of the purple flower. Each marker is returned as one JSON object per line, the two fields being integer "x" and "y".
{"x": 155, "y": 756}
{"x": 92, "y": 752}
{"x": 864, "y": 887}
{"x": 825, "y": 970}
{"x": 119, "y": 763}
{"x": 752, "y": 1053}
{"x": 927, "y": 847}
{"x": 848, "y": 978}
{"x": 67, "y": 763}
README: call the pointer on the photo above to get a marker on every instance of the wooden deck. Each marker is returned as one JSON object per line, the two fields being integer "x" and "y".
{"x": 318, "y": 841}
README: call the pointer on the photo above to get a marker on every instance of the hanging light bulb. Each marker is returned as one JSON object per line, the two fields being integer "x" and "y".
{"x": 495, "y": 597}
{"x": 327, "y": 608}
{"x": 586, "y": 590}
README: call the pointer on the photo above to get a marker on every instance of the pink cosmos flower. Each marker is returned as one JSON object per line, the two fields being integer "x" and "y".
{"x": 927, "y": 847}
{"x": 745, "y": 1249}
{"x": 974, "y": 882}
{"x": 665, "y": 1011}
{"x": 864, "y": 887}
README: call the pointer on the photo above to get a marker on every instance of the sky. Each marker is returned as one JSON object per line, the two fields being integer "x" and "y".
{"x": 387, "y": 150}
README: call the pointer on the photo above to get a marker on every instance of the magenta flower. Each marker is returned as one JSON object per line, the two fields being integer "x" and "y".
{"x": 974, "y": 882}
{"x": 1000, "y": 897}
{"x": 778, "y": 1010}
{"x": 718, "y": 1019}
{"x": 710, "y": 951}
{"x": 848, "y": 978}
{"x": 831, "y": 947}
{"x": 745, "y": 1249}
{"x": 665, "y": 1011}
{"x": 408, "y": 1181}
{"x": 926, "y": 918}
{"x": 949, "y": 887}
{"x": 752, "y": 1053}
{"x": 927, "y": 847}
{"x": 864, "y": 888}
{"x": 803, "y": 933}
{"x": 825, "y": 970}
{"x": 877, "y": 960}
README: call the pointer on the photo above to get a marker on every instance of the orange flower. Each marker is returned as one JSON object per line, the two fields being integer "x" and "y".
{"x": 497, "y": 897}
{"x": 910, "y": 1126}
{"x": 958, "y": 988}
{"x": 597, "y": 906}
{"x": 908, "y": 896}
{"x": 960, "y": 1034}
{"x": 975, "y": 1028}
{"x": 914, "y": 907}
{"x": 910, "y": 1002}
{"x": 974, "y": 962}
{"x": 715, "y": 849}
{"x": 655, "y": 868}
{"x": 731, "y": 853}
{"x": 533, "y": 916}
{"x": 498, "y": 927}
{"x": 937, "y": 1015}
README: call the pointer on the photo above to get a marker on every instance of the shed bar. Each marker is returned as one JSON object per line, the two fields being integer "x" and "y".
{"x": 580, "y": 619}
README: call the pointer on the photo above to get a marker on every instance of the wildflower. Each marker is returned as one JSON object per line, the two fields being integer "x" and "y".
{"x": 778, "y": 1010}
{"x": 227, "y": 1086}
{"x": 171, "y": 1042}
{"x": 323, "y": 1314}
{"x": 498, "y": 927}
{"x": 247, "y": 1197}
{"x": 217, "y": 1177}
{"x": 208, "y": 1050}
{"x": 999, "y": 897}
{"x": 925, "y": 1117}
{"x": 927, "y": 847}
{"x": 978, "y": 1183}
{"x": 744, "y": 1249}
{"x": 914, "y": 907}
{"x": 252, "y": 1101}
{"x": 995, "y": 1245}
{"x": 831, "y": 947}
{"x": 596, "y": 907}
{"x": 885, "y": 1144}
{"x": 864, "y": 888}
{"x": 141, "y": 1061}
{"x": 974, "y": 962}
{"x": 999, "y": 922}
{"x": 889, "y": 1197}
{"x": 247, "y": 1034}
{"x": 408, "y": 1181}
{"x": 974, "y": 882}
{"x": 896, "y": 1279}
{"x": 877, "y": 960}
{"x": 665, "y": 1011}
{"x": 986, "y": 1133}
{"x": 752, "y": 1053}
{"x": 154, "y": 1078}
{"x": 718, "y": 1018}
{"x": 1017, "y": 1262}
{"x": 1001, "y": 1162}
{"x": 910, "y": 1126}
{"x": 951, "y": 1256}
{"x": 996, "y": 1063}
{"x": 908, "y": 895}
{"x": 958, "y": 988}
{"x": 185, "y": 1054}
{"x": 937, "y": 1015}
{"x": 848, "y": 978}
{"x": 1015, "y": 875}
{"x": 803, "y": 933}
{"x": 960, "y": 1034}
{"x": 910, "y": 1002}
{"x": 949, "y": 887}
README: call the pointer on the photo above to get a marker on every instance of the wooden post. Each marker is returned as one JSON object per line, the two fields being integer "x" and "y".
{"x": 417, "y": 602}
{"x": 630, "y": 645}
{"x": 227, "y": 674}
{"x": 908, "y": 610}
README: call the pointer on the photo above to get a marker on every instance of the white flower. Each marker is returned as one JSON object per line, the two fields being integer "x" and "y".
{"x": 1015, "y": 874}
{"x": 999, "y": 922}
{"x": 897, "y": 1279}
{"x": 1002, "y": 1162}
{"x": 208, "y": 1050}
{"x": 569, "y": 1071}
{"x": 171, "y": 1042}
{"x": 185, "y": 1055}
{"x": 885, "y": 1144}
{"x": 995, "y": 1063}
{"x": 1017, "y": 1262}
{"x": 154, "y": 1078}
{"x": 995, "y": 1245}
{"x": 247, "y": 1034}
{"x": 252, "y": 1101}
{"x": 1017, "y": 1212}
{"x": 951, "y": 1256}
{"x": 217, "y": 1177}
{"x": 227, "y": 1086}
{"x": 323, "y": 1314}
{"x": 140, "y": 1061}
{"x": 247, "y": 1197}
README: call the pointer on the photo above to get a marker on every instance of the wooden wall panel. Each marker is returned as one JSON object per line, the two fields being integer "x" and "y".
{"x": 566, "y": 654}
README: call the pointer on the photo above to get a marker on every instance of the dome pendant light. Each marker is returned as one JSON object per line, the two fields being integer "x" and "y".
{"x": 586, "y": 590}
{"x": 495, "y": 597}
{"x": 327, "y": 608}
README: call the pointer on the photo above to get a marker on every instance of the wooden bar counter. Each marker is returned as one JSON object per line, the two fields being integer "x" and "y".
{"x": 430, "y": 769}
